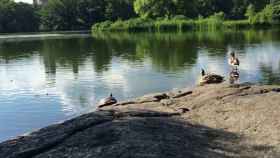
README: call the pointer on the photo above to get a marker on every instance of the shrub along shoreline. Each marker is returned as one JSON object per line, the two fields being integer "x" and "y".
{"x": 148, "y": 25}
{"x": 65, "y": 15}
{"x": 268, "y": 17}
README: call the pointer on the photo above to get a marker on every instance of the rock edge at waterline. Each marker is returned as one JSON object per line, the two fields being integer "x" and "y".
{"x": 216, "y": 121}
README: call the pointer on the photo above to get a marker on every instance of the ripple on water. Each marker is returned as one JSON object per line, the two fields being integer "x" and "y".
{"x": 49, "y": 78}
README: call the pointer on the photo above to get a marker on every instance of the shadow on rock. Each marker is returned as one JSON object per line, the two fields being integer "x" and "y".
{"x": 155, "y": 135}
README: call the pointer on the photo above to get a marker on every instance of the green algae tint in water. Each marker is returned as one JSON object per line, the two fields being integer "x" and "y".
{"x": 49, "y": 78}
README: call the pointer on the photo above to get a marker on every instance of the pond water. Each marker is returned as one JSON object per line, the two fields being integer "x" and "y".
{"x": 47, "y": 78}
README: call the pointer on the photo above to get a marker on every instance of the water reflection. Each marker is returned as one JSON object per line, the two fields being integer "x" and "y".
{"x": 51, "y": 79}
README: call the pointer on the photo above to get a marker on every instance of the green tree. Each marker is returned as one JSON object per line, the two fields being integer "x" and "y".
{"x": 61, "y": 15}
{"x": 26, "y": 18}
{"x": 90, "y": 12}
{"x": 17, "y": 17}
{"x": 265, "y": 16}
{"x": 209, "y": 7}
{"x": 188, "y": 8}
{"x": 119, "y": 9}
{"x": 6, "y": 14}
{"x": 82, "y": 14}
{"x": 154, "y": 8}
{"x": 237, "y": 8}
{"x": 276, "y": 11}
{"x": 250, "y": 13}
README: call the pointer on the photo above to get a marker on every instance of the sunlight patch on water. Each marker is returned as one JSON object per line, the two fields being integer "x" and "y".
{"x": 54, "y": 77}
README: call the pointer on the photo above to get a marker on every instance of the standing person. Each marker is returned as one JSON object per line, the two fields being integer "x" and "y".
{"x": 233, "y": 60}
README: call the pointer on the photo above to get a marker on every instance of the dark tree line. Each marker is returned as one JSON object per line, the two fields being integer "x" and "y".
{"x": 233, "y": 9}
{"x": 82, "y": 14}
{"x": 18, "y": 17}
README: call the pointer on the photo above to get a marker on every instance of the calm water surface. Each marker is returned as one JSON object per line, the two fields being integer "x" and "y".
{"x": 49, "y": 78}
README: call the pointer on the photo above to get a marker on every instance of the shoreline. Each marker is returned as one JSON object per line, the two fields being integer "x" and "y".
{"x": 177, "y": 25}
{"x": 236, "y": 115}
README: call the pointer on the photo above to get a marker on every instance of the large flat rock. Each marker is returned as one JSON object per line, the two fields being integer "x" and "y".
{"x": 213, "y": 121}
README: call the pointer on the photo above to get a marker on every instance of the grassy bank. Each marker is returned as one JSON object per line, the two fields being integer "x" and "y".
{"x": 181, "y": 23}
{"x": 172, "y": 25}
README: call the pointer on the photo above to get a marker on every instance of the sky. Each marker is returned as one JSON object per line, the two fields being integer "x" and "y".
{"x": 27, "y": 1}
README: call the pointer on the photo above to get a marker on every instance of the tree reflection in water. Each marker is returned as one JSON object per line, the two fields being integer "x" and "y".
{"x": 77, "y": 71}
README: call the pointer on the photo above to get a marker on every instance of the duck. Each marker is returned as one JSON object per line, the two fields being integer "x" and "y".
{"x": 107, "y": 101}
{"x": 233, "y": 60}
{"x": 210, "y": 78}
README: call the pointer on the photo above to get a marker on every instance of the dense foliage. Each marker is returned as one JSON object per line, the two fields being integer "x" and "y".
{"x": 234, "y": 9}
{"x": 177, "y": 23}
{"x": 16, "y": 17}
{"x": 158, "y": 15}
{"x": 82, "y": 14}
{"x": 154, "y": 8}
